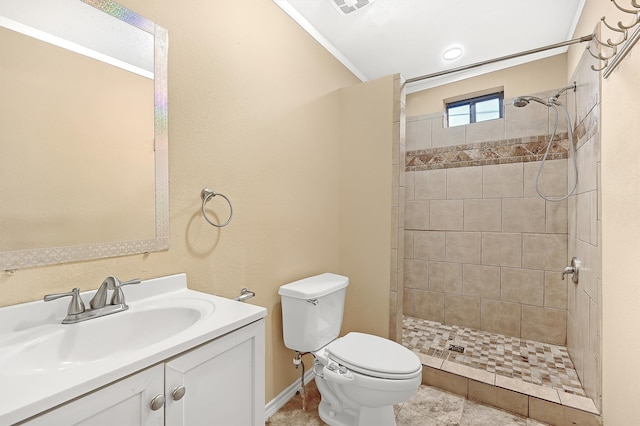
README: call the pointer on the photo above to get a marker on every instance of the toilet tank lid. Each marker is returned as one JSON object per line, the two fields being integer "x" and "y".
{"x": 313, "y": 287}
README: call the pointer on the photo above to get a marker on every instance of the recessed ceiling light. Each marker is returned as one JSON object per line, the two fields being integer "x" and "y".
{"x": 452, "y": 53}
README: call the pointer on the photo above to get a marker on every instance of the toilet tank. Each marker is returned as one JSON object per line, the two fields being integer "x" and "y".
{"x": 312, "y": 311}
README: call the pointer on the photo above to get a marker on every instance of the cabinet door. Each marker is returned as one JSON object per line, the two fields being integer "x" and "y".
{"x": 223, "y": 381}
{"x": 126, "y": 402}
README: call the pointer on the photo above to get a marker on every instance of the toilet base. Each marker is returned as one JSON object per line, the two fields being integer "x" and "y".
{"x": 379, "y": 416}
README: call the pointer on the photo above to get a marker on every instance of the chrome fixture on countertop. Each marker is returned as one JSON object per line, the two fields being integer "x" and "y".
{"x": 77, "y": 312}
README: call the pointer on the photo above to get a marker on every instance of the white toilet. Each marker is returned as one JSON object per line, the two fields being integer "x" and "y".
{"x": 359, "y": 376}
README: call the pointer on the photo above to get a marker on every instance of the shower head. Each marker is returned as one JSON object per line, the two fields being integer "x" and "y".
{"x": 522, "y": 101}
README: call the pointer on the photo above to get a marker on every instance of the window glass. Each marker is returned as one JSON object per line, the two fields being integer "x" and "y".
{"x": 459, "y": 115}
{"x": 488, "y": 110}
{"x": 473, "y": 110}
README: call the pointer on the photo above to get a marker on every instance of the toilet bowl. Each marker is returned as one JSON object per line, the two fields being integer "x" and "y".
{"x": 360, "y": 376}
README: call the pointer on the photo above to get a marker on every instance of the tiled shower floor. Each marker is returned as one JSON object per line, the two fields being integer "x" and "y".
{"x": 533, "y": 362}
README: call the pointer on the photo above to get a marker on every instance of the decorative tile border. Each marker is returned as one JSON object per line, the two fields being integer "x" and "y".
{"x": 518, "y": 150}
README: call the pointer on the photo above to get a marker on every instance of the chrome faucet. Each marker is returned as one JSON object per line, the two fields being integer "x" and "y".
{"x": 112, "y": 283}
{"x": 77, "y": 312}
{"x": 574, "y": 270}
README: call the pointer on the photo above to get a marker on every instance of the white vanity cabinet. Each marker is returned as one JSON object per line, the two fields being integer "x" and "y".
{"x": 220, "y": 382}
{"x": 223, "y": 381}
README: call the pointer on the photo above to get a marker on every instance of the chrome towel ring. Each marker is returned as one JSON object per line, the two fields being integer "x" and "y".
{"x": 208, "y": 194}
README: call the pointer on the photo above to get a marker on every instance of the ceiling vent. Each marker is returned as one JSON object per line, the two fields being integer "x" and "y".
{"x": 348, "y": 6}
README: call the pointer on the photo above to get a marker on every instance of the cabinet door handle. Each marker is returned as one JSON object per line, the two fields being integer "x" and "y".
{"x": 157, "y": 402}
{"x": 178, "y": 393}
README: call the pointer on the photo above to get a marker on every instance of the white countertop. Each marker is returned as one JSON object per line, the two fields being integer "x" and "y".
{"x": 25, "y": 395}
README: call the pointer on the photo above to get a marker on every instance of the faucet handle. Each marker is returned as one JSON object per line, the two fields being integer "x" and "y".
{"x": 76, "y": 306}
{"x": 118, "y": 294}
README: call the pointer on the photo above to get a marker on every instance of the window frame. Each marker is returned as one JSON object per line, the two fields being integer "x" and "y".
{"x": 472, "y": 106}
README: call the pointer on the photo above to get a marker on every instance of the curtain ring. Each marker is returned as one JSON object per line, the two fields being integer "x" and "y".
{"x": 208, "y": 194}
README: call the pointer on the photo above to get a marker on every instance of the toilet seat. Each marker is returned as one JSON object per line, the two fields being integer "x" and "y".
{"x": 374, "y": 356}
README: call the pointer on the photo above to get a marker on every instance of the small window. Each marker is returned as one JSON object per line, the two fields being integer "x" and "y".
{"x": 474, "y": 110}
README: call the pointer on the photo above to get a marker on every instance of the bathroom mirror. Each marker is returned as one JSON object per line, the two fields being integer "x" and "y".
{"x": 83, "y": 132}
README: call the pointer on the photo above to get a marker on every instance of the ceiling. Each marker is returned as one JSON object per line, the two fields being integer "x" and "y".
{"x": 409, "y": 36}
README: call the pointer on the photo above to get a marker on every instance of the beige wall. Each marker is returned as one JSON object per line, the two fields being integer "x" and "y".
{"x": 517, "y": 81}
{"x": 620, "y": 242}
{"x": 365, "y": 203}
{"x": 255, "y": 113}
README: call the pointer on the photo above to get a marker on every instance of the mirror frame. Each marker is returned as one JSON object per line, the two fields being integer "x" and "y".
{"x": 12, "y": 260}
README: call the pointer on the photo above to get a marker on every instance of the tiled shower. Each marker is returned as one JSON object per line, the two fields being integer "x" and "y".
{"x": 482, "y": 251}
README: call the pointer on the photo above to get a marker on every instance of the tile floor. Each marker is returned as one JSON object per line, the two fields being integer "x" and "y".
{"x": 428, "y": 407}
{"x": 532, "y": 362}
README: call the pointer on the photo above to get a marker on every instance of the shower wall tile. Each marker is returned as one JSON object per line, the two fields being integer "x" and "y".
{"x": 524, "y": 215}
{"x": 587, "y": 157}
{"x": 409, "y": 184}
{"x": 482, "y": 215}
{"x": 555, "y": 290}
{"x": 430, "y": 184}
{"x": 588, "y": 91}
{"x": 464, "y": 182}
{"x": 553, "y": 178}
{"x": 556, "y": 217}
{"x": 530, "y": 121}
{"x": 501, "y": 317}
{"x": 418, "y": 133}
{"x": 590, "y": 376}
{"x": 393, "y": 287}
{"x": 445, "y": 277}
{"x": 572, "y": 216}
{"x": 502, "y": 180}
{"x": 594, "y": 329}
{"x": 545, "y": 324}
{"x": 408, "y": 244}
{"x": 544, "y": 251}
{"x": 524, "y": 286}
{"x": 463, "y": 247}
{"x": 462, "y": 310}
{"x": 416, "y": 274}
{"x": 490, "y": 130}
{"x": 428, "y": 305}
{"x": 583, "y": 216}
{"x": 416, "y": 215}
{"x": 395, "y": 212}
{"x": 589, "y": 256}
{"x": 429, "y": 245}
{"x": 502, "y": 249}
{"x": 446, "y": 215}
{"x": 481, "y": 281}
{"x": 446, "y": 136}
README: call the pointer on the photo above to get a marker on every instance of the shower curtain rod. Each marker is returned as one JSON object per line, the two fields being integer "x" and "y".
{"x": 502, "y": 58}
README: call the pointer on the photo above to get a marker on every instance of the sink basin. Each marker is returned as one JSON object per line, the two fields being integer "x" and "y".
{"x": 59, "y": 347}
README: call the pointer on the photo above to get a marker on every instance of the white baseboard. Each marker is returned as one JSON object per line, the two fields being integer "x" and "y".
{"x": 276, "y": 403}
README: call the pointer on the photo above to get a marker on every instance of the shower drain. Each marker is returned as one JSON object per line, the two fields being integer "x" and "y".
{"x": 456, "y": 348}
